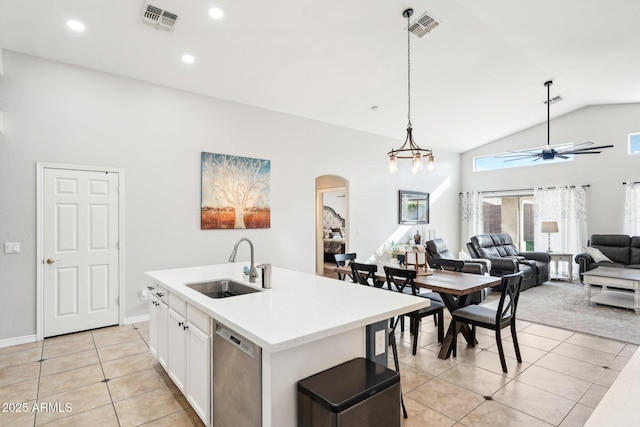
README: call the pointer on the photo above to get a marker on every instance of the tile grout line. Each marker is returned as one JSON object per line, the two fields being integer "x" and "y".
{"x": 113, "y": 405}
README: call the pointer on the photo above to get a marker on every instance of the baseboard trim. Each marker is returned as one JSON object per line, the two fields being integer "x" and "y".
{"x": 18, "y": 340}
{"x": 137, "y": 319}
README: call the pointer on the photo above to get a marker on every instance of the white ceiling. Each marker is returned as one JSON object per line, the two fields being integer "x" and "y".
{"x": 477, "y": 77}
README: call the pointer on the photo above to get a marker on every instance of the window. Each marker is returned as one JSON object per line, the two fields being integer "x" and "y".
{"x": 634, "y": 143}
{"x": 501, "y": 161}
{"x": 512, "y": 215}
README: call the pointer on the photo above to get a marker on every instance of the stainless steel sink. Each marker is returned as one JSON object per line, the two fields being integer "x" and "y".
{"x": 222, "y": 288}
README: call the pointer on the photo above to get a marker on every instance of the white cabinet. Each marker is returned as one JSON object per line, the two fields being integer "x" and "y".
{"x": 180, "y": 338}
{"x": 158, "y": 320}
{"x": 177, "y": 360}
{"x": 199, "y": 372}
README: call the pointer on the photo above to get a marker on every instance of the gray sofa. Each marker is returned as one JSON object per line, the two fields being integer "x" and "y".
{"x": 622, "y": 250}
{"x": 506, "y": 259}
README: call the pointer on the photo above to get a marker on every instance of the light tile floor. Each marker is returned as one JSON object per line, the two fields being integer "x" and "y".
{"x": 109, "y": 378}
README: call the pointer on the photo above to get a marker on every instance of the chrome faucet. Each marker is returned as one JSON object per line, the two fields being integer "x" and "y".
{"x": 253, "y": 272}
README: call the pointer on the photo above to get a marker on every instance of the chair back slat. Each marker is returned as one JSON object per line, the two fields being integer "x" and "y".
{"x": 401, "y": 279}
{"x": 365, "y": 274}
{"x": 509, "y": 296}
{"x": 343, "y": 260}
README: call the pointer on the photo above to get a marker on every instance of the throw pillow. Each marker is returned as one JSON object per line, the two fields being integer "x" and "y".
{"x": 597, "y": 255}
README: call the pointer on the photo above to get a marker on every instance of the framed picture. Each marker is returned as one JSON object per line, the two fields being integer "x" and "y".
{"x": 413, "y": 207}
{"x": 235, "y": 192}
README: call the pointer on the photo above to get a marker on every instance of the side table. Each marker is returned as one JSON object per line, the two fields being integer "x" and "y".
{"x": 556, "y": 257}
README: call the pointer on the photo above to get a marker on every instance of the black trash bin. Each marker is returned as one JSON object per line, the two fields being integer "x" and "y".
{"x": 357, "y": 393}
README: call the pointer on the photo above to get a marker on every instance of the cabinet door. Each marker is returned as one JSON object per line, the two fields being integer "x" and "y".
{"x": 154, "y": 310}
{"x": 162, "y": 333}
{"x": 177, "y": 363}
{"x": 199, "y": 372}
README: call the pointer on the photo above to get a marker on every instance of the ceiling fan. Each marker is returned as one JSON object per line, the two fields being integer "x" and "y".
{"x": 548, "y": 153}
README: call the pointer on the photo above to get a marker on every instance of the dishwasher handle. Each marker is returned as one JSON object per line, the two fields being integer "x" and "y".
{"x": 236, "y": 340}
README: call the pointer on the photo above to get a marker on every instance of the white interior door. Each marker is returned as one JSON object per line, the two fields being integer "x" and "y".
{"x": 80, "y": 247}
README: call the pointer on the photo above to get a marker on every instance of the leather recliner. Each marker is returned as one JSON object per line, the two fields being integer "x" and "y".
{"x": 506, "y": 259}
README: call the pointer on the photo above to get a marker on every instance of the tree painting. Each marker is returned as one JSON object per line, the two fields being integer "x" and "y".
{"x": 235, "y": 192}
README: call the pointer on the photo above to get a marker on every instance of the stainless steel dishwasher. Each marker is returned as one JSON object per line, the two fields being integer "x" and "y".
{"x": 237, "y": 380}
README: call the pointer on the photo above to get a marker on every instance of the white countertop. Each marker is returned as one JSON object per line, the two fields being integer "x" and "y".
{"x": 298, "y": 309}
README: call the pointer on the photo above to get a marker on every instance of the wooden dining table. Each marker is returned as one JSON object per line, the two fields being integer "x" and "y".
{"x": 454, "y": 288}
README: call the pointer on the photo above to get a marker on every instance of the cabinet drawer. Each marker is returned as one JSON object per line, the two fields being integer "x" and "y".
{"x": 160, "y": 292}
{"x": 178, "y": 304}
{"x": 198, "y": 318}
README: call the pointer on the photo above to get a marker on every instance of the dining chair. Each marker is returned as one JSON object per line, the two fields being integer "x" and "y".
{"x": 365, "y": 274}
{"x": 402, "y": 280}
{"x": 343, "y": 260}
{"x": 495, "y": 319}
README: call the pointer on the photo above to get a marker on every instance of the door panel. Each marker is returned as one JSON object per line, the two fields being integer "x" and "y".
{"x": 80, "y": 214}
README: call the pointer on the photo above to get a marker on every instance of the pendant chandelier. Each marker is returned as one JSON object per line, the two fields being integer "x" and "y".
{"x": 410, "y": 150}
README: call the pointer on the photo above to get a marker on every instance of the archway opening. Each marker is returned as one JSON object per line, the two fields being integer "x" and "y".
{"x": 332, "y": 221}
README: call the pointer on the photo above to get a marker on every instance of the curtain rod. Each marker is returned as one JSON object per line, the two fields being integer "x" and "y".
{"x": 531, "y": 189}
{"x": 634, "y": 182}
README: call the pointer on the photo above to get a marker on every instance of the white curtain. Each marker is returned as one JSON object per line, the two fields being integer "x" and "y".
{"x": 632, "y": 209}
{"x": 472, "y": 221}
{"x": 566, "y": 206}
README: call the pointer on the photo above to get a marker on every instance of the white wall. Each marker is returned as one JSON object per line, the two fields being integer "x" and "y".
{"x": 57, "y": 113}
{"x": 605, "y": 172}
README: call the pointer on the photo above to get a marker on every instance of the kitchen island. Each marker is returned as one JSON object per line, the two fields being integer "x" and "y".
{"x": 304, "y": 324}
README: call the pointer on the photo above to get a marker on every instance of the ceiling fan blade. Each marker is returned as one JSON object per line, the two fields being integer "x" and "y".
{"x": 516, "y": 156}
{"x": 587, "y": 152}
{"x": 579, "y": 146}
{"x": 562, "y": 155}
{"x": 593, "y": 148}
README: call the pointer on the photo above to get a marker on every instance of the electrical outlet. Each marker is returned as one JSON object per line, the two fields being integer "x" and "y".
{"x": 144, "y": 295}
{"x": 11, "y": 248}
{"x": 380, "y": 346}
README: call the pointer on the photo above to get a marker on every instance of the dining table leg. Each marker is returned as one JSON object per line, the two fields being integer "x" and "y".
{"x": 453, "y": 304}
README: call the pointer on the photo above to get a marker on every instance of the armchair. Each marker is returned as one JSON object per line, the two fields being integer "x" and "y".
{"x": 506, "y": 259}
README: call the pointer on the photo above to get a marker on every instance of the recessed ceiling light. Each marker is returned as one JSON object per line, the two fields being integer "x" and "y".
{"x": 188, "y": 59}
{"x": 216, "y": 13}
{"x": 75, "y": 25}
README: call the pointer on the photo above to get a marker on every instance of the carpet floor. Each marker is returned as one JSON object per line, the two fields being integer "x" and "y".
{"x": 561, "y": 304}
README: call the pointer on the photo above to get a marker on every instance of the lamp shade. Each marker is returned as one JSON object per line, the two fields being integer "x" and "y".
{"x": 549, "y": 227}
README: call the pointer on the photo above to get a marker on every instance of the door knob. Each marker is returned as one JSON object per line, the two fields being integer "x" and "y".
{"x": 51, "y": 260}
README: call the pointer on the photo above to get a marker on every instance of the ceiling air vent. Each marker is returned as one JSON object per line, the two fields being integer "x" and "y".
{"x": 158, "y": 18}
{"x": 423, "y": 25}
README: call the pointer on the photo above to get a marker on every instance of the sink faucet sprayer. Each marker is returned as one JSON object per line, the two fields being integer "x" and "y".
{"x": 253, "y": 272}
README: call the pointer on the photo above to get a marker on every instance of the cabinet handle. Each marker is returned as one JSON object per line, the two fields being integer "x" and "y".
{"x": 150, "y": 288}
{"x": 185, "y": 327}
{"x": 180, "y": 323}
{"x": 159, "y": 294}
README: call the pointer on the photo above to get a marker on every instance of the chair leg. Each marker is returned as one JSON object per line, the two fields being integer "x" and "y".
{"x": 503, "y": 362}
{"x": 401, "y": 323}
{"x": 473, "y": 335}
{"x": 515, "y": 341}
{"x": 440, "y": 326}
{"x": 416, "y": 328}
{"x": 394, "y": 349}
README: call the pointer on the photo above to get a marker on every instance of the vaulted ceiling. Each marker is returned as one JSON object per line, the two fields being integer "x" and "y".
{"x": 477, "y": 77}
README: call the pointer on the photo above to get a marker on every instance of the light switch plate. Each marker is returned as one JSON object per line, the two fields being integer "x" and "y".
{"x": 11, "y": 247}
{"x": 380, "y": 342}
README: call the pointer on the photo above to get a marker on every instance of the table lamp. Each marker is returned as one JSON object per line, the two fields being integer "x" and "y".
{"x": 549, "y": 227}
